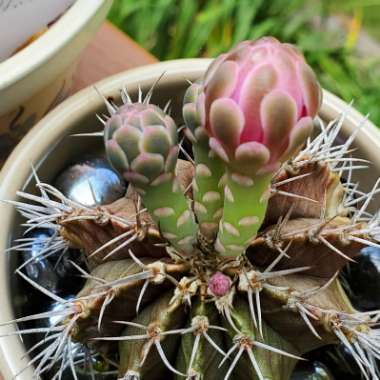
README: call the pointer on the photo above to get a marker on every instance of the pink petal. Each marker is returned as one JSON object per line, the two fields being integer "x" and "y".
{"x": 311, "y": 90}
{"x": 257, "y": 84}
{"x": 298, "y": 136}
{"x": 222, "y": 82}
{"x": 226, "y": 121}
{"x": 212, "y": 68}
{"x": 252, "y": 152}
{"x": 278, "y": 113}
{"x": 217, "y": 147}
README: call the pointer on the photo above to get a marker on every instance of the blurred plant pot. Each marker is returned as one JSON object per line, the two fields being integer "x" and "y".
{"x": 50, "y": 148}
{"x": 38, "y": 77}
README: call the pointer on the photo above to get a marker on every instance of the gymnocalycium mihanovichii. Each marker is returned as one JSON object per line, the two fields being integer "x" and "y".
{"x": 223, "y": 265}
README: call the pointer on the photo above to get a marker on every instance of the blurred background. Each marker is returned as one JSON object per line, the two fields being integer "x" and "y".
{"x": 340, "y": 38}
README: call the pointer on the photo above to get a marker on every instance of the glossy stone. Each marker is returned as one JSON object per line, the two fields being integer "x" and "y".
{"x": 91, "y": 182}
{"x": 54, "y": 272}
{"x": 312, "y": 370}
{"x": 39, "y": 269}
{"x": 363, "y": 280}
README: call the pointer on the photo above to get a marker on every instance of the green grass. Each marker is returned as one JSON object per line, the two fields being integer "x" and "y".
{"x": 196, "y": 28}
{"x": 370, "y": 12}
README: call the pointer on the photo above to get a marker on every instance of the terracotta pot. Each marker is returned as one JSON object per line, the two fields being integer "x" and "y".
{"x": 37, "y": 78}
{"x": 49, "y": 147}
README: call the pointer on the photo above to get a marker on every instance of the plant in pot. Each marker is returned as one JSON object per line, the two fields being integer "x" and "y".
{"x": 223, "y": 258}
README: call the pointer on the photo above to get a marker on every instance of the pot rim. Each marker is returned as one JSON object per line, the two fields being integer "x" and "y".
{"x": 43, "y": 137}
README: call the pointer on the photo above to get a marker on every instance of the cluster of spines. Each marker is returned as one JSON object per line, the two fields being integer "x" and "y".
{"x": 353, "y": 329}
{"x": 342, "y": 324}
{"x": 363, "y": 344}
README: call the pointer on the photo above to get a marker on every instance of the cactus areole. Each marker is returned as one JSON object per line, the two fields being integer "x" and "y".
{"x": 224, "y": 265}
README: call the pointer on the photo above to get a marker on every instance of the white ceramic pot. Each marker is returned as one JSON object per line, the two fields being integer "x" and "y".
{"x": 40, "y": 76}
{"x": 49, "y": 147}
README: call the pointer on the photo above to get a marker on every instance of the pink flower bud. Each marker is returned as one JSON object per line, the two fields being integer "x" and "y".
{"x": 219, "y": 284}
{"x": 259, "y": 100}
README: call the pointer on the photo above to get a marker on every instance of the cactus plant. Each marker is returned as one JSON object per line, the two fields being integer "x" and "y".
{"x": 225, "y": 265}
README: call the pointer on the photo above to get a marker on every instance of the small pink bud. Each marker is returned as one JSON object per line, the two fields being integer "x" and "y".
{"x": 219, "y": 284}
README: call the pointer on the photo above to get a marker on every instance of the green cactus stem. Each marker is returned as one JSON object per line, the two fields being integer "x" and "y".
{"x": 208, "y": 192}
{"x": 145, "y": 345}
{"x": 198, "y": 357}
{"x": 306, "y": 311}
{"x": 125, "y": 280}
{"x": 172, "y": 213}
{"x": 254, "y": 359}
{"x": 141, "y": 143}
{"x": 245, "y": 204}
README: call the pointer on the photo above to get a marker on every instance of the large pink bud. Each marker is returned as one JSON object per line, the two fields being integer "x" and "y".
{"x": 259, "y": 100}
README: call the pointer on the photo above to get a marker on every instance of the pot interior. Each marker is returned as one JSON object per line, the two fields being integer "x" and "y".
{"x": 70, "y": 148}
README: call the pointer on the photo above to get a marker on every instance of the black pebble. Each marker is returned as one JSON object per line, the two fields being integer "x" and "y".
{"x": 363, "y": 280}
{"x": 312, "y": 370}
